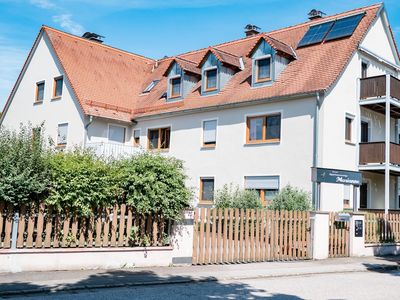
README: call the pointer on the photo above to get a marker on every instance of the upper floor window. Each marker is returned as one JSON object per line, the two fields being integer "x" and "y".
{"x": 159, "y": 138}
{"x": 210, "y": 77}
{"x": 364, "y": 69}
{"x": 175, "y": 86}
{"x": 39, "y": 91}
{"x": 262, "y": 69}
{"x": 58, "y": 87}
{"x": 136, "y": 137}
{"x": 116, "y": 134}
{"x": 348, "y": 129}
{"x": 62, "y": 134}
{"x": 206, "y": 189}
{"x": 262, "y": 129}
{"x": 209, "y": 133}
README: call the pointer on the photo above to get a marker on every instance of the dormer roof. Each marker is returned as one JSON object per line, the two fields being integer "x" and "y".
{"x": 186, "y": 65}
{"x": 275, "y": 44}
{"x": 223, "y": 56}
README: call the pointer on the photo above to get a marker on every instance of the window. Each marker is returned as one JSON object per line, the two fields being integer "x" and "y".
{"x": 150, "y": 86}
{"x": 364, "y": 132}
{"x": 264, "y": 129}
{"x": 39, "y": 91}
{"x": 136, "y": 137}
{"x": 175, "y": 87}
{"x": 210, "y": 133}
{"x": 263, "y": 69}
{"x": 206, "y": 189}
{"x": 348, "y": 131}
{"x": 266, "y": 186}
{"x": 159, "y": 138}
{"x": 346, "y": 196}
{"x": 210, "y": 80}
{"x": 116, "y": 134}
{"x": 58, "y": 86}
{"x": 364, "y": 69}
{"x": 62, "y": 134}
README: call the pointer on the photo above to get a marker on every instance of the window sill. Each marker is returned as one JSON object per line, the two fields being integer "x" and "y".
{"x": 158, "y": 150}
{"x": 38, "y": 102}
{"x": 263, "y": 80}
{"x": 208, "y": 147}
{"x": 350, "y": 143}
{"x": 206, "y": 202}
{"x": 56, "y": 98}
{"x": 61, "y": 146}
{"x": 263, "y": 143}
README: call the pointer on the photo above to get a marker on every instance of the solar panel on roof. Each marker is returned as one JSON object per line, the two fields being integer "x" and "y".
{"x": 344, "y": 27}
{"x": 315, "y": 34}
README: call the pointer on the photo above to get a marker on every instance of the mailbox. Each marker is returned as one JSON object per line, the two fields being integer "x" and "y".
{"x": 342, "y": 217}
{"x": 358, "y": 228}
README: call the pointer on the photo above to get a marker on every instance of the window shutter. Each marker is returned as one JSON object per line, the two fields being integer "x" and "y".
{"x": 346, "y": 192}
{"x": 136, "y": 133}
{"x": 262, "y": 182}
{"x": 62, "y": 134}
{"x": 210, "y": 131}
{"x": 116, "y": 134}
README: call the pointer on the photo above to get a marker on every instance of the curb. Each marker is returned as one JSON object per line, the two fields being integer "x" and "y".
{"x": 49, "y": 290}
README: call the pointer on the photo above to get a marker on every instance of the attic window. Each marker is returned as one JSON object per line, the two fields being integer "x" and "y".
{"x": 210, "y": 80}
{"x": 263, "y": 69}
{"x": 150, "y": 86}
{"x": 175, "y": 84}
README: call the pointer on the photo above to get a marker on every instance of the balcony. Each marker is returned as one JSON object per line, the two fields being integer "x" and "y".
{"x": 374, "y": 153}
{"x": 375, "y": 87}
{"x": 113, "y": 150}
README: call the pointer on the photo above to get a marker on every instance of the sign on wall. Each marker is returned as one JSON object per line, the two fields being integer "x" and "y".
{"x": 336, "y": 176}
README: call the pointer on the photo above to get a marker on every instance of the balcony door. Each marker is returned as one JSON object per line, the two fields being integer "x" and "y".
{"x": 364, "y": 196}
{"x": 364, "y": 132}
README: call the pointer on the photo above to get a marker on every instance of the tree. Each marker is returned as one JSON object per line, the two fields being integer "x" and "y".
{"x": 291, "y": 198}
{"x": 227, "y": 197}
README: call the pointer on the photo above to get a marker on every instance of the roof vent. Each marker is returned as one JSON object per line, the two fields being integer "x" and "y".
{"x": 93, "y": 37}
{"x": 315, "y": 14}
{"x": 251, "y": 29}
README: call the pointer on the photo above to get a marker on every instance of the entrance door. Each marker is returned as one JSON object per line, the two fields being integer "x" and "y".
{"x": 364, "y": 132}
{"x": 364, "y": 195}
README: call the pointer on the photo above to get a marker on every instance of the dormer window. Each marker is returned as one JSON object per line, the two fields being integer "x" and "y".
{"x": 210, "y": 79}
{"x": 175, "y": 84}
{"x": 263, "y": 69}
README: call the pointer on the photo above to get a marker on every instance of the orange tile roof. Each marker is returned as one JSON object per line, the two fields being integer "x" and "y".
{"x": 275, "y": 44}
{"x": 186, "y": 65}
{"x": 223, "y": 56}
{"x": 109, "y": 82}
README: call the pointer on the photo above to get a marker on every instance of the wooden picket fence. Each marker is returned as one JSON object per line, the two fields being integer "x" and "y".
{"x": 338, "y": 237}
{"x": 43, "y": 227}
{"x": 233, "y": 235}
{"x": 382, "y": 229}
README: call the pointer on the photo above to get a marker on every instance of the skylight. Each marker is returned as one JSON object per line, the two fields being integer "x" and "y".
{"x": 331, "y": 30}
{"x": 150, "y": 86}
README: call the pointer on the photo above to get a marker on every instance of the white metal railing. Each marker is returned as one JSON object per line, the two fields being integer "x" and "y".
{"x": 113, "y": 150}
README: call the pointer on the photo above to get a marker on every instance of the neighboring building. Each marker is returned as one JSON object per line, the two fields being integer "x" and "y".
{"x": 258, "y": 112}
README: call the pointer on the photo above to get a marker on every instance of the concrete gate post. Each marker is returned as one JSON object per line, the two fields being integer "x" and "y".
{"x": 182, "y": 239}
{"x": 357, "y": 235}
{"x": 320, "y": 234}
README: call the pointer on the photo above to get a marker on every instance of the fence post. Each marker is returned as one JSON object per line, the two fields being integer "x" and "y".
{"x": 320, "y": 234}
{"x": 182, "y": 239}
{"x": 357, "y": 234}
{"x": 14, "y": 230}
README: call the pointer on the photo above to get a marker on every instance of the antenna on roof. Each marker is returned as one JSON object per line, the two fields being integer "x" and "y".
{"x": 93, "y": 37}
{"x": 315, "y": 14}
{"x": 251, "y": 29}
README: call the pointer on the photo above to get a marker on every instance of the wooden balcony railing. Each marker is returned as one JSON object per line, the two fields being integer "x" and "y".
{"x": 374, "y": 153}
{"x": 375, "y": 87}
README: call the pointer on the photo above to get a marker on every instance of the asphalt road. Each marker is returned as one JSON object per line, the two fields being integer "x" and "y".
{"x": 354, "y": 285}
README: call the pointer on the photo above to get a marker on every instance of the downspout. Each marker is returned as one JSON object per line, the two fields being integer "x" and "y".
{"x": 315, "y": 146}
{"x": 86, "y": 130}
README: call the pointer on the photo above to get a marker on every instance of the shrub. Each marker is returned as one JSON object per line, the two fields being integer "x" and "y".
{"x": 291, "y": 198}
{"x": 153, "y": 183}
{"x": 24, "y": 170}
{"x": 81, "y": 182}
{"x": 227, "y": 197}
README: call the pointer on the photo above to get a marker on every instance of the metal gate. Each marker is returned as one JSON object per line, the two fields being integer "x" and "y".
{"x": 338, "y": 236}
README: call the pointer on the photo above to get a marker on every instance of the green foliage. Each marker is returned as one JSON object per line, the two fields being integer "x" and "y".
{"x": 135, "y": 239}
{"x": 227, "y": 197}
{"x": 24, "y": 172}
{"x": 291, "y": 198}
{"x": 153, "y": 183}
{"x": 80, "y": 182}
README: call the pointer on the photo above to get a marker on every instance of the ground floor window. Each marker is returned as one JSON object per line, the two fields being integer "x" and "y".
{"x": 159, "y": 138}
{"x": 206, "y": 189}
{"x": 266, "y": 186}
{"x": 364, "y": 195}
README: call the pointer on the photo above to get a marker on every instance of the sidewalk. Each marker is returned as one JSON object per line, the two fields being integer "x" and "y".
{"x": 34, "y": 282}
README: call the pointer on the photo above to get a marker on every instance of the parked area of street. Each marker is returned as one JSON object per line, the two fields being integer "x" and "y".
{"x": 342, "y": 278}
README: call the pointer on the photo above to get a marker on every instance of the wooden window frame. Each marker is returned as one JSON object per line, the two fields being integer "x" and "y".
{"x": 201, "y": 200}
{"x": 55, "y": 86}
{"x": 264, "y": 129}
{"x": 206, "y": 89}
{"x": 257, "y": 72}
{"x": 159, "y": 139}
{"x": 62, "y": 145}
{"x": 37, "y": 91}
{"x": 210, "y": 145}
{"x": 171, "y": 95}
{"x": 136, "y": 143}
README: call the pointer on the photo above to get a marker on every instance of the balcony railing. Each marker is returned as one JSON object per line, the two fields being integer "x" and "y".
{"x": 112, "y": 149}
{"x": 375, "y": 87}
{"x": 374, "y": 153}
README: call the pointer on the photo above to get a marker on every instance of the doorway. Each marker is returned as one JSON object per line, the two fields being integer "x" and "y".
{"x": 364, "y": 196}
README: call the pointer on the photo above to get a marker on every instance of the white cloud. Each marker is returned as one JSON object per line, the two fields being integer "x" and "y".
{"x": 46, "y": 4}
{"x": 65, "y": 21}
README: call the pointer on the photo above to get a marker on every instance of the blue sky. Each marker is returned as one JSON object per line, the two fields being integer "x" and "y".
{"x": 153, "y": 28}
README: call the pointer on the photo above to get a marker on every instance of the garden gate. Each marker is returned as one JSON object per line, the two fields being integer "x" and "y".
{"x": 338, "y": 236}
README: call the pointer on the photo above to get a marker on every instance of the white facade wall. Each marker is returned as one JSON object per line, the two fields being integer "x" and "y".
{"x": 43, "y": 66}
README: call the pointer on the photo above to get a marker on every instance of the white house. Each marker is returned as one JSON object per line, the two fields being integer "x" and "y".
{"x": 258, "y": 112}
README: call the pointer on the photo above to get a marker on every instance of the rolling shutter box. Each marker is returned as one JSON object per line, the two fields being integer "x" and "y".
{"x": 262, "y": 182}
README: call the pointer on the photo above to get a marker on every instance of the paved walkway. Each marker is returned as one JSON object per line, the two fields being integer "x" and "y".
{"x": 32, "y": 282}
